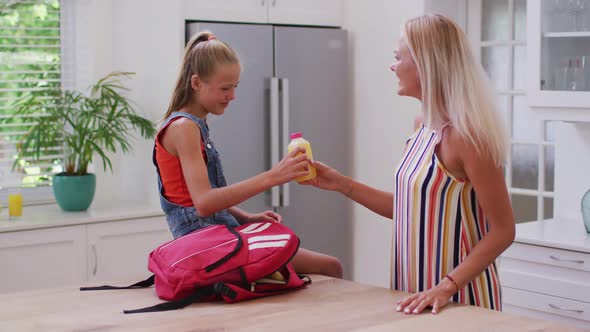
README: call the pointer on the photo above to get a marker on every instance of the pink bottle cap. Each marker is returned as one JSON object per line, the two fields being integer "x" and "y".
{"x": 296, "y": 135}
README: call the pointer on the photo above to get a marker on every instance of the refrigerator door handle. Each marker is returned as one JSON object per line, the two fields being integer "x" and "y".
{"x": 274, "y": 136}
{"x": 285, "y": 133}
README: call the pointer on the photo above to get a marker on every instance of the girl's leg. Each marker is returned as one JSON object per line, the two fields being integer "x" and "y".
{"x": 307, "y": 261}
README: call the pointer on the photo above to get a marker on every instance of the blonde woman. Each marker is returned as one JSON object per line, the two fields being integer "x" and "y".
{"x": 450, "y": 206}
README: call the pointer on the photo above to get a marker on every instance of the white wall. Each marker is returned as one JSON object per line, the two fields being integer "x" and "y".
{"x": 382, "y": 121}
{"x": 145, "y": 37}
{"x": 572, "y": 165}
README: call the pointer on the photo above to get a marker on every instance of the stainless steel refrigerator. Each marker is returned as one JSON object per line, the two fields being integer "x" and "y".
{"x": 293, "y": 79}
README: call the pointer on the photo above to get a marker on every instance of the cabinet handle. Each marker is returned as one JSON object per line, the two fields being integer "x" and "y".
{"x": 553, "y": 306}
{"x": 95, "y": 260}
{"x": 577, "y": 261}
{"x": 274, "y": 2}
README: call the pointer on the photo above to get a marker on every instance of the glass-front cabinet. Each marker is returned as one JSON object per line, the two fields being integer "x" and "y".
{"x": 559, "y": 63}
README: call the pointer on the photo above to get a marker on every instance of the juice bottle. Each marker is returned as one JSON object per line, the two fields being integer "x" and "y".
{"x": 298, "y": 140}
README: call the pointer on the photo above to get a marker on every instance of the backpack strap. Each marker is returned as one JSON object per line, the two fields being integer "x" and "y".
{"x": 229, "y": 255}
{"x": 200, "y": 293}
{"x": 142, "y": 284}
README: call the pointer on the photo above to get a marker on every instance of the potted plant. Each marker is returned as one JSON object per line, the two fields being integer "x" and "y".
{"x": 87, "y": 125}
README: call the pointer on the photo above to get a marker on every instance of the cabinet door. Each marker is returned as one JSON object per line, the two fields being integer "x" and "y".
{"x": 118, "y": 250}
{"x": 306, "y": 12}
{"x": 558, "y": 34}
{"x": 254, "y": 11}
{"x": 42, "y": 258}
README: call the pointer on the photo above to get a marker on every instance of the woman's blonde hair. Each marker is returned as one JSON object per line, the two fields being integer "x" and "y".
{"x": 202, "y": 55}
{"x": 455, "y": 88}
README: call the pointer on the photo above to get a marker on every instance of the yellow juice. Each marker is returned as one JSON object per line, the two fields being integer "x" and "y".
{"x": 298, "y": 140}
{"x": 15, "y": 205}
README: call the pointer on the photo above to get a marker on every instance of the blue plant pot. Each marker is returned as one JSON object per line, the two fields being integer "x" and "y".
{"x": 74, "y": 192}
{"x": 586, "y": 210}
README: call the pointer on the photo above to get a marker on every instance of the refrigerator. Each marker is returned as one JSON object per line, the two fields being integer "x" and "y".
{"x": 294, "y": 79}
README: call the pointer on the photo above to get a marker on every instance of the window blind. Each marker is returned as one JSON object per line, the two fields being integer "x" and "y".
{"x": 30, "y": 63}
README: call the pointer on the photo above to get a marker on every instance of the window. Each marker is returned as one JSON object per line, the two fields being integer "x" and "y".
{"x": 497, "y": 29}
{"x": 31, "y": 61}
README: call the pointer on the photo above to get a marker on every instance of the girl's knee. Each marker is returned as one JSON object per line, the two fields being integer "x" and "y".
{"x": 332, "y": 267}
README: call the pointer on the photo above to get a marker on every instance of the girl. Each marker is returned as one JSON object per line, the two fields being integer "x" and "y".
{"x": 193, "y": 190}
{"x": 449, "y": 203}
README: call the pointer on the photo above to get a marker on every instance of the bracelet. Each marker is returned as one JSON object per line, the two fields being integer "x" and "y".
{"x": 453, "y": 281}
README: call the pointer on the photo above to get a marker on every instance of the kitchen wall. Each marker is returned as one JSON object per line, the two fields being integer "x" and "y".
{"x": 382, "y": 121}
{"x": 572, "y": 176}
{"x": 147, "y": 37}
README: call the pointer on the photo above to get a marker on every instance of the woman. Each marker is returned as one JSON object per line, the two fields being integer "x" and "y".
{"x": 449, "y": 204}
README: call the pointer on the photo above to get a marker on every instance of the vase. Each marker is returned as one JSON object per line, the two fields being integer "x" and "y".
{"x": 74, "y": 192}
{"x": 586, "y": 210}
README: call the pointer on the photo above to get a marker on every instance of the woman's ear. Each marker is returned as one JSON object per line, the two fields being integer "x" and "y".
{"x": 196, "y": 83}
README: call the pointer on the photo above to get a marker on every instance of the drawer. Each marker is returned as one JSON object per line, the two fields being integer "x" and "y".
{"x": 545, "y": 279}
{"x": 578, "y": 312}
{"x": 550, "y": 256}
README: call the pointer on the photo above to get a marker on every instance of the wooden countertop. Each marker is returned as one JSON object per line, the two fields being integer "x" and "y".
{"x": 325, "y": 305}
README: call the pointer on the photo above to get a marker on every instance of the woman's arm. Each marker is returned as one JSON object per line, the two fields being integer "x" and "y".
{"x": 182, "y": 138}
{"x": 492, "y": 195}
{"x": 378, "y": 201}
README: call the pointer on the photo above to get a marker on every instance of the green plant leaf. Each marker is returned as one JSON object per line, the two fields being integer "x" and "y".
{"x": 97, "y": 124}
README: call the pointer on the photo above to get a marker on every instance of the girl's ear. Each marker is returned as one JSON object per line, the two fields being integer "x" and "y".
{"x": 196, "y": 83}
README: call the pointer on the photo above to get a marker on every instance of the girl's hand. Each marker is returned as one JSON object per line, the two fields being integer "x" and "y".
{"x": 295, "y": 164}
{"x": 436, "y": 297}
{"x": 329, "y": 179}
{"x": 265, "y": 216}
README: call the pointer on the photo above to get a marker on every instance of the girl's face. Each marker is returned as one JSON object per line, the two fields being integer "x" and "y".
{"x": 215, "y": 92}
{"x": 407, "y": 72}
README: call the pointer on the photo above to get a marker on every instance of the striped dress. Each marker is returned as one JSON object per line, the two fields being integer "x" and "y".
{"x": 437, "y": 222}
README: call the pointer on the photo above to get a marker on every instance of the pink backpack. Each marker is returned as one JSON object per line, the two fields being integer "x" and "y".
{"x": 220, "y": 262}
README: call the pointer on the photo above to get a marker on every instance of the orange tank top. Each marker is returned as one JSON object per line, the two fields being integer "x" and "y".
{"x": 174, "y": 186}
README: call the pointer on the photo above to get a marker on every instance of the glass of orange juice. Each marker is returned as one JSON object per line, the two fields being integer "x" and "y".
{"x": 15, "y": 205}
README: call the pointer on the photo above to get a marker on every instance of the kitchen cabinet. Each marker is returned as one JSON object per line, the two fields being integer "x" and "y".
{"x": 302, "y": 12}
{"x": 42, "y": 258}
{"x": 119, "y": 250}
{"x": 95, "y": 249}
{"x": 558, "y": 37}
{"x": 546, "y": 273}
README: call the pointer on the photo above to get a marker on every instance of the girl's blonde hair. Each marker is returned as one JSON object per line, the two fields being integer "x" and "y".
{"x": 202, "y": 55}
{"x": 455, "y": 88}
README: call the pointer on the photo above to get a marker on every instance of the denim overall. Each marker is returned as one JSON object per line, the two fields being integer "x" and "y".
{"x": 183, "y": 220}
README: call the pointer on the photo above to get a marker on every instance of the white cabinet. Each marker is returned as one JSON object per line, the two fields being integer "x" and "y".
{"x": 83, "y": 254}
{"x": 299, "y": 12}
{"x": 42, "y": 258}
{"x": 558, "y": 38}
{"x": 306, "y": 12}
{"x": 119, "y": 250}
{"x": 546, "y": 282}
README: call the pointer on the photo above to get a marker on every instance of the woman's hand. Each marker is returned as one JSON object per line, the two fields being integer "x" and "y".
{"x": 294, "y": 165}
{"x": 436, "y": 297}
{"x": 329, "y": 179}
{"x": 264, "y": 216}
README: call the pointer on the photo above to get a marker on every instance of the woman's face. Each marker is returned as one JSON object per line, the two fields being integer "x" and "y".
{"x": 215, "y": 92}
{"x": 405, "y": 69}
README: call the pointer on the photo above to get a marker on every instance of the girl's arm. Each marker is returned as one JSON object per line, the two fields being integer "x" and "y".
{"x": 182, "y": 138}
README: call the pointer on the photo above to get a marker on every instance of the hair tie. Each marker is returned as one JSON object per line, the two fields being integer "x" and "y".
{"x": 211, "y": 37}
